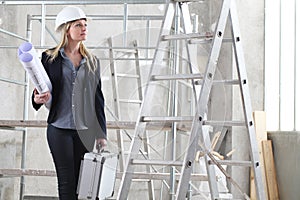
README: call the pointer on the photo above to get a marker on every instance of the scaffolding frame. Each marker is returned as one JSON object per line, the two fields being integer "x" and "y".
{"x": 42, "y": 18}
{"x": 22, "y": 125}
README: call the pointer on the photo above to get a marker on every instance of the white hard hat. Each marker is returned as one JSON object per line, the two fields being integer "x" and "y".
{"x": 67, "y": 14}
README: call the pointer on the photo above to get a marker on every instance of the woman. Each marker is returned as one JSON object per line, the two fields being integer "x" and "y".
{"x": 76, "y": 116}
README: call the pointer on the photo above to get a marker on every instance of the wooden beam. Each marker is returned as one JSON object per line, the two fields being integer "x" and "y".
{"x": 163, "y": 176}
{"x": 110, "y": 125}
{"x": 261, "y": 135}
{"x": 22, "y": 123}
{"x": 26, "y": 172}
{"x": 136, "y": 175}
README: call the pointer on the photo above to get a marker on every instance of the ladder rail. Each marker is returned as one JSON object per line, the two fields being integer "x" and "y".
{"x": 147, "y": 146}
{"x": 187, "y": 27}
{"x": 172, "y": 99}
{"x": 197, "y": 130}
{"x": 140, "y": 97}
{"x": 199, "y": 138}
{"x": 244, "y": 89}
{"x": 117, "y": 101}
{"x": 116, "y": 104}
{"x": 229, "y": 8}
{"x": 141, "y": 126}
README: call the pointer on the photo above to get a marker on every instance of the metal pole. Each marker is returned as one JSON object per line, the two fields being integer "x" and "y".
{"x": 295, "y": 68}
{"x": 280, "y": 66}
{"x": 174, "y": 90}
{"x": 12, "y": 34}
{"x": 195, "y": 19}
{"x": 125, "y": 23}
{"x": 147, "y": 38}
{"x": 25, "y": 114}
{"x": 43, "y": 11}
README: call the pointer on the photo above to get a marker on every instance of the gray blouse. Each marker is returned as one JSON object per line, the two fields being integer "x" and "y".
{"x": 65, "y": 103}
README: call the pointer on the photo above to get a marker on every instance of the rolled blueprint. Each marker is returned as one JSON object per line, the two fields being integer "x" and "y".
{"x": 33, "y": 66}
{"x": 35, "y": 69}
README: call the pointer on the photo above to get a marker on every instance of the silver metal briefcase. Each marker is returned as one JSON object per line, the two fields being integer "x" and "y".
{"x": 97, "y": 176}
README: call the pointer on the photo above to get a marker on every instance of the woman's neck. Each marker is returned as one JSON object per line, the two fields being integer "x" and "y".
{"x": 72, "y": 48}
{"x": 72, "y": 51}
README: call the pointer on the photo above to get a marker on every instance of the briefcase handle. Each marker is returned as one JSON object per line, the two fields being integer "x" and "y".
{"x": 100, "y": 149}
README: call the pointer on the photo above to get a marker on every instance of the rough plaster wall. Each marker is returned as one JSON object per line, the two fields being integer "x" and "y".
{"x": 8, "y": 153}
{"x": 13, "y": 19}
{"x": 11, "y": 103}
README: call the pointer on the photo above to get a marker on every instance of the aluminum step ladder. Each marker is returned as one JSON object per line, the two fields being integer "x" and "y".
{"x": 114, "y": 56}
{"x": 199, "y": 140}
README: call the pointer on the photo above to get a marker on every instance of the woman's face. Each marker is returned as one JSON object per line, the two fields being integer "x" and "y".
{"x": 78, "y": 30}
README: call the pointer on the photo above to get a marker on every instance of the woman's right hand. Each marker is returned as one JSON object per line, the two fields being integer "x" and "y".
{"x": 101, "y": 143}
{"x": 41, "y": 98}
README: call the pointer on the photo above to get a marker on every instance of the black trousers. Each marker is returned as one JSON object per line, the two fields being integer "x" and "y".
{"x": 67, "y": 151}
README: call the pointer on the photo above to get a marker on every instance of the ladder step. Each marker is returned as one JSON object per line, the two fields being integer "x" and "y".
{"x": 167, "y": 119}
{"x": 176, "y": 77}
{"x": 144, "y": 153}
{"x": 156, "y": 162}
{"x": 162, "y": 176}
{"x": 127, "y": 75}
{"x": 232, "y": 163}
{"x": 207, "y": 40}
{"x": 127, "y": 50}
{"x": 225, "y": 82}
{"x": 185, "y": 36}
{"x": 224, "y": 123}
{"x": 192, "y": 76}
{"x": 130, "y": 101}
{"x": 201, "y": 41}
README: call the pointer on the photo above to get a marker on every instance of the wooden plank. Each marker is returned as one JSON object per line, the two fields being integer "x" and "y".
{"x": 162, "y": 176}
{"x": 136, "y": 175}
{"x": 270, "y": 170}
{"x": 110, "y": 125}
{"x": 22, "y": 123}
{"x": 26, "y": 172}
{"x": 259, "y": 118}
{"x": 32, "y": 197}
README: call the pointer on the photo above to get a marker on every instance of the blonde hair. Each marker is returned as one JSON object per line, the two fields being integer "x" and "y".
{"x": 53, "y": 53}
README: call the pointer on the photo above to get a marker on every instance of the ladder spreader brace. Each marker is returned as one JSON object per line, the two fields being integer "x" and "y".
{"x": 197, "y": 135}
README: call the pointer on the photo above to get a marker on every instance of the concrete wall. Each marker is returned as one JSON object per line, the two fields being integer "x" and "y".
{"x": 286, "y": 155}
{"x": 14, "y": 19}
{"x": 12, "y": 102}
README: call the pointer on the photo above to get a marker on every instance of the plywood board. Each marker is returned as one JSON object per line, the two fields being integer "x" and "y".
{"x": 270, "y": 170}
